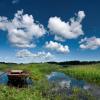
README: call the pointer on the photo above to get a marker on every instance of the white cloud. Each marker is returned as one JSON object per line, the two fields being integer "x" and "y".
{"x": 15, "y": 1}
{"x": 58, "y": 38}
{"x": 67, "y": 30}
{"x": 22, "y": 29}
{"x": 57, "y": 46}
{"x": 24, "y": 53}
{"x": 90, "y": 43}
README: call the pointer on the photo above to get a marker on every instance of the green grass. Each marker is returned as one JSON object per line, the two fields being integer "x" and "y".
{"x": 89, "y": 73}
{"x": 41, "y": 90}
{"x": 37, "y": 71}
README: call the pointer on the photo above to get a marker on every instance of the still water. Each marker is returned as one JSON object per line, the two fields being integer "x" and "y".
{"x": 65, "y": 80}
{"x": 56, "y": 77}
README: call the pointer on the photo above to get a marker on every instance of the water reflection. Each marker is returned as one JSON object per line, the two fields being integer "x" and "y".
{"x": 64, "y": 80}
{"x": 3, "y": 78}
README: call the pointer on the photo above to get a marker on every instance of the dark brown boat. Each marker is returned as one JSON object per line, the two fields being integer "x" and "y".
{"x": 17, "y": 74}
{"x": 17, "y": 77}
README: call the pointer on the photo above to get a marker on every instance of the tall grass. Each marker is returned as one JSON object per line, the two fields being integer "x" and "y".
{"x": 43, "y": 90}
{"x": 90, "y": 73}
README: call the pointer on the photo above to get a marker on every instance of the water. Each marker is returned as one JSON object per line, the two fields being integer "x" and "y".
{"x": 58, "y": 77}
{"x": 65, "y": 80}
{"x": 61, "y": 78}
{"x": 3, "y": 78}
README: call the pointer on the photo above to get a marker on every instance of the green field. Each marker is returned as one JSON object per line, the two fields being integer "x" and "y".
{"x": 41, "y": 89}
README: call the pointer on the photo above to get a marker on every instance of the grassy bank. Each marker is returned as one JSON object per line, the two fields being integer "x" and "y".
{"x": 89, "y": 73}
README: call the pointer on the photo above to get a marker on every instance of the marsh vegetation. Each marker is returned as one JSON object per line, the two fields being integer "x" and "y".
{"x": 42, "y": 89}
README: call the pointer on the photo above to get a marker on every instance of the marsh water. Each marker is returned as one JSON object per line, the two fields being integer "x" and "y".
{"x": 66, "y": 81}
{"x": 56, "y": 77}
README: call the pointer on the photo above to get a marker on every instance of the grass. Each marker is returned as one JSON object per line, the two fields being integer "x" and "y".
{"x": 41, "y": 90}
{"x": 89, "y": 73}
{"x": 37, "y": 71}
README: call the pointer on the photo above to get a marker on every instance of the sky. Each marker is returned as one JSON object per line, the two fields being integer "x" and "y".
{"x": 49, "y": 30}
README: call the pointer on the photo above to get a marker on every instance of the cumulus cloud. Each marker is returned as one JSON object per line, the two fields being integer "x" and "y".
{"x": 67, "y": 30}
{"x": 57, "y": 46}
{"x": 58, "y": 38}
{"x": 15, "y": 1}
{"x": 90, "y": 43}
{"x": 24, "y": 53}
{"x": 22, "y": 29}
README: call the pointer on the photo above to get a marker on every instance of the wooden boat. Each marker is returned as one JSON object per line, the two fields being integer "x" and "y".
{"x": 17, "y": 77}
{"x": 17, "y": 74}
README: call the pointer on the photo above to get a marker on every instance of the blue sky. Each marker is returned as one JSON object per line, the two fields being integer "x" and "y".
{"x": 49, "y": 30}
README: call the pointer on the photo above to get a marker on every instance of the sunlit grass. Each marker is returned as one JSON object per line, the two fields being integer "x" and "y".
{"x": 42, "y": 90}
{"x": 90, "y": 73}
